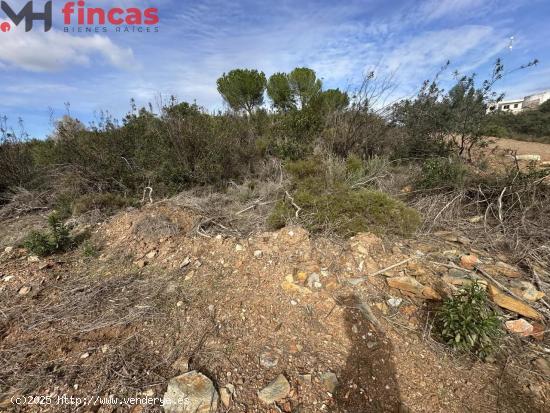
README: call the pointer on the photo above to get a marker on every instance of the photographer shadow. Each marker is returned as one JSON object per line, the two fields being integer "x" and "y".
{"x": 368, "y": 382}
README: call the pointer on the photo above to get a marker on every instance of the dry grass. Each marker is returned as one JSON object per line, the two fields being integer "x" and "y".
{"x": 45, "y": 335}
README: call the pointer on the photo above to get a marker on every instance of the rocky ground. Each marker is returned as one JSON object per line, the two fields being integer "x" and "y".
{"x": 278, "y": 322}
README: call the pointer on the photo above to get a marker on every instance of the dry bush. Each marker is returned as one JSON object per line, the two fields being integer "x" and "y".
{"x": 508, "y": 212}
{"x": 155, "y": 226}
{"x": 19, "y": 201}
{"x": 239, "y": 211}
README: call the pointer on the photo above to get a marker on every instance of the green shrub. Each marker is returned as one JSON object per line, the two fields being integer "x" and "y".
{"x": 465, "y": 322}
{"x": 57, "y": 239}
{"x": 443, "y": 173}
{"x": 89, "y": 250}
{"x": 39, "y": 243}
{"x": 323, "y": 189}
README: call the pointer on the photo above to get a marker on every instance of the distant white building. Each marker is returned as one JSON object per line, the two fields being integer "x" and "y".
{"x": 519, "y": 105}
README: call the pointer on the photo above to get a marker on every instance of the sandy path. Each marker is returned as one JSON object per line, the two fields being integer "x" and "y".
{"x": 523, "y": 148}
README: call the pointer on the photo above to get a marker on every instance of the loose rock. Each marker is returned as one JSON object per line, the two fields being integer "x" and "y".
{"x": 510, "y": 303}
{"x": 185, "y": 262}
{"x": 195, "y": 391}
{"x": 502, "y": 269}
{"x": 364, "y": 244}
{"x": 520, "y": 326}
{"x": 277, "y": 390}
{"x": 269, "y": 359}
{"x": 24, "y": 290}
{"x": 329, "y": 381}
{"x": 409, "y": 284}
{"x": 395, "y": 302}
{"x": 225, "y": 397}
{"x": 469, "y": 261}
{"x": 314, "y": 281}
{"x": 527, "y": 291}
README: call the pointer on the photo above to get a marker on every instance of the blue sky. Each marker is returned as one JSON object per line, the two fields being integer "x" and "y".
{"x": 199, "y": 40}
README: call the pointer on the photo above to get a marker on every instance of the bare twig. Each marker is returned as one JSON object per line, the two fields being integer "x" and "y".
{"x": 296, "y": 206}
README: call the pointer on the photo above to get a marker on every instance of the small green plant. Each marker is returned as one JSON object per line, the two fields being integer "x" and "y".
{"x": 465, "y": 322}
{"x": 38, "y": 243}
{"x": 57, "y": 239}
{"x": 89, "y": 250}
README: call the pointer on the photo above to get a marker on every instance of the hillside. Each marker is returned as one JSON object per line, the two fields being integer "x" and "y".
{"x": 160, "y": 299}
{"x": 320, "y": 254}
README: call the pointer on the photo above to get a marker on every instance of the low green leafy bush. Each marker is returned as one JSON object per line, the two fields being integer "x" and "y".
{"x": 465, "y": 322}
{"x": 55, "y": 240}
{"x": 442, "y": 173}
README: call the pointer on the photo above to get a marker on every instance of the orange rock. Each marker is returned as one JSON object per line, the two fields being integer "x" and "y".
{"x": 406, "y": 284}
{"x": 430, "y": 294}
{"x": 520, "y": 326}
{"x": 365, "y": 243}
{"x": 502, "y": 269}
{"x": 409, "y": 284}
{"x": 469, "y": 261}
{"x": 510, "y": 303}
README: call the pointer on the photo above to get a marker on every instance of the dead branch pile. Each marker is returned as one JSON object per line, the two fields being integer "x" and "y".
{"x": 239, "y": 211}
{"x": 511, "y": 216}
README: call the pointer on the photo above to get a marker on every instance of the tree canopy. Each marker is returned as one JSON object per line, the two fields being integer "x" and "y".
{"x": 279, "y": 91}
{"x": 304, "y": 85}
{"x": 242, "y": 89}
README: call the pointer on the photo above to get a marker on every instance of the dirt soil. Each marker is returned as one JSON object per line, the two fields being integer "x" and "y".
{"x": 159, "y": 299}
{"x": 522, "y": 147}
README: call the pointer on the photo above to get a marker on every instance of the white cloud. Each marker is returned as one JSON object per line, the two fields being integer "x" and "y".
{"x": 37, "y": 51}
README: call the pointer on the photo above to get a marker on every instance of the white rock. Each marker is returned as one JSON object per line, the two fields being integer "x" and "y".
{"x": 33, "y": 258}
{"x": 258, "y": 253}
{"x": 239, "y": 247}
{"x": 313, "y": 281}
{"x": 7, "y": 250}
{"x": 395, "y": 302}
{"x": 528, "y": 158}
